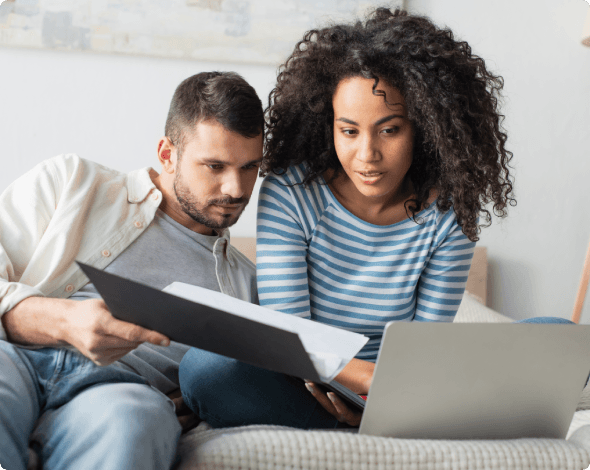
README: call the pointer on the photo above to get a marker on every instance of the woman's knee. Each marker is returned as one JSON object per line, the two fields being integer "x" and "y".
{"x": 203, "y": 375}
{"x": 224, "y": 391}
{"x": 550, "y": 320}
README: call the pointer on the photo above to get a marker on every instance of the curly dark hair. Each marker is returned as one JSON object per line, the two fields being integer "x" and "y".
{"x": 452, "y": 101}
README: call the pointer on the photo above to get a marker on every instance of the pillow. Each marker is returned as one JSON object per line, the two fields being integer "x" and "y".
{"x": 472, "y": 310}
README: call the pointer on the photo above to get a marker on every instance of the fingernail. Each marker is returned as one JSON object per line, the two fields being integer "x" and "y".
{"x": 164, "y": 342}
{"x": 332, "y": 397}
{"x": 309, "y": 387}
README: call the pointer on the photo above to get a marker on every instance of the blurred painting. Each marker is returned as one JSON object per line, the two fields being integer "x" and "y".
{"x": 250, "y": 31}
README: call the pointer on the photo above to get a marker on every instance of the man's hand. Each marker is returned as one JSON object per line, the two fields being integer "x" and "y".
{"x": 185, "y": 415}
{"x": 101, "y": 337}
{"x": 335, "y": 406}
{"x": 87, "y": 325}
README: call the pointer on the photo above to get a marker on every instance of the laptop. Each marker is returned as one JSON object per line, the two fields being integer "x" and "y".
{"x": 477, "y": 381}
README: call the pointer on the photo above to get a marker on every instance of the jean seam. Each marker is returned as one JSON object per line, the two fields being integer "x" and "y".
{"x": 40, "y": 441}
{"x": 58, "y": 369}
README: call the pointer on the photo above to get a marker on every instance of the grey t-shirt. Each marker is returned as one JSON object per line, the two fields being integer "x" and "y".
{"x": 166, "y": 252}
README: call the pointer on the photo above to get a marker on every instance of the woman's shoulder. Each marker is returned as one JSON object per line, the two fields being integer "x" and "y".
{"x": 287, "y": 187}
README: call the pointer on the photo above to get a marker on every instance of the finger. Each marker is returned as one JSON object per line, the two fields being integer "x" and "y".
{"x": 107, "y": 342}
{"x": 348, "y": 416}
{"x": 181, "y": 406}
{"x": 135, "y": 333}
{"x": 341, "y": 409}
{"x": 322, "y": 399}
{"x": 174, "y": 394}
{"x": 188, "y": 421}
{"x": 109, "y": 356}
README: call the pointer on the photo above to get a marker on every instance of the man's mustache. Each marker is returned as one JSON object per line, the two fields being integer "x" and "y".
{"x": 229, "y": 201}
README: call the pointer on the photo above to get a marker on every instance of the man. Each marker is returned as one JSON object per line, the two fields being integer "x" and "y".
{"x": 86, "y": 390}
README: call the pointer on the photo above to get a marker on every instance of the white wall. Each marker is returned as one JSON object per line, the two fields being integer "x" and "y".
{"x": 536, "y": 254}
{"x": 112, "y": 109}
{"x": 107, "y": 108}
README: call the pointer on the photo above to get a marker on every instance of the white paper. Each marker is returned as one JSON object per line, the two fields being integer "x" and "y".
{"x": 329, "y": 348}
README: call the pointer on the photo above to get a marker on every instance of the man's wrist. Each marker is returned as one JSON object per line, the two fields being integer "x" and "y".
{"x": 62, "y": 326}
{"x": 38, "y": 321}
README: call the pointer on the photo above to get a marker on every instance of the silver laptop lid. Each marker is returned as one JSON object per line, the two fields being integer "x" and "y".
{"x": 477, "y": 381}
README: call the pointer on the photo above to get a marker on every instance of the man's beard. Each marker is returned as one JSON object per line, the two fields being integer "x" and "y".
{"x": 197, "y": 211}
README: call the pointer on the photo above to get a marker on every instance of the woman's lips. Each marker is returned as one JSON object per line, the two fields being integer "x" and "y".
{"x": 370, "y": 177}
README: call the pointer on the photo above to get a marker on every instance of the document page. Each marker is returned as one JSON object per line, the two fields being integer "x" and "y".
{"x": 329, "y": 348}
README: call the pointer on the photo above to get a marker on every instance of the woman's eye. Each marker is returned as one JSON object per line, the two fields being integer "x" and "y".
{"x": 349, "y": 131}
{"x": 390, "y": 130}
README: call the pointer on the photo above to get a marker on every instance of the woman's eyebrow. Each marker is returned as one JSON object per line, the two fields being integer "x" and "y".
{"x": 379, "y": 122}
{"x": 347, "y": 121}
{"x": 388, "y": 118}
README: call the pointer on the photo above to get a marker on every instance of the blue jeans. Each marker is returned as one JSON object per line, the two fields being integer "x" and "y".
{"x": 225, "y": 392}
{"x": 78, "y": 415}
{"x": 552, "y": 320}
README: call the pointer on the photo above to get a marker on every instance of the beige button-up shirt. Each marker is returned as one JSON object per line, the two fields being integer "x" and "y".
{"x": 68, "y": 209}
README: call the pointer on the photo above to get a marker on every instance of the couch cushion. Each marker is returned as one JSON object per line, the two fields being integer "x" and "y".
{"x": 274, "y": 447}
{"x": 472, "y": 310}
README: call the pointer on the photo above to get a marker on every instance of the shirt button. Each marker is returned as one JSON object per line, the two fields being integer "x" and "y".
{"x": 138, "y": 224}
{"x": 69, "y": 288}
{"x": 106, "y": 253}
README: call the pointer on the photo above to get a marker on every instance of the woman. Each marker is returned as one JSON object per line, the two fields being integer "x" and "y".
{"x": 383, "y": 150}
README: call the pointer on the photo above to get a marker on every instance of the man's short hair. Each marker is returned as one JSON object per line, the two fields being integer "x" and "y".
{"x": 223, "y": 96}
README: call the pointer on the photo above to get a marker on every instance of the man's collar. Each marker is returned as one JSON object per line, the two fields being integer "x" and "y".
{"x": 139, "y": 185}
{"x": 223, "y": 233}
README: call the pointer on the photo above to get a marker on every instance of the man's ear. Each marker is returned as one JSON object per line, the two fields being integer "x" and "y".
{"x": 167, "y": 155}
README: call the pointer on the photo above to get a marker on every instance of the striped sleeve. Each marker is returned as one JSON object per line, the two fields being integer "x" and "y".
{"x": 281, "y": 250}
{"x": 443, "y": 280}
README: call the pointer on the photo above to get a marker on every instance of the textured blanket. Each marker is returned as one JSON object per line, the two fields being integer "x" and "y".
{"x": 268, "y": 447}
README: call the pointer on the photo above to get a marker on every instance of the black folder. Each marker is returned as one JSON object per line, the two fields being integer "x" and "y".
{"x": 202, "y": 326}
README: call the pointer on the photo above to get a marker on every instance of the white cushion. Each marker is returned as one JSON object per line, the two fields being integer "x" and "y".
{"x": 472, "y": 310}
{"x": 274, "y": 447}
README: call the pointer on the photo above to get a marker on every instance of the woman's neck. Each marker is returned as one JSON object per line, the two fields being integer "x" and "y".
{"x": 386, "y": 210}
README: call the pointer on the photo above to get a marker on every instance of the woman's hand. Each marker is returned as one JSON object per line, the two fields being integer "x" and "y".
{"x": 335, "y": 406}
{"x": 357, "y": 376}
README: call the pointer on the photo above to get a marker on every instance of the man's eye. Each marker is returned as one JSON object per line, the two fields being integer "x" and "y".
{"x": 216, "y": 167}
{"x": 252, "y": 166}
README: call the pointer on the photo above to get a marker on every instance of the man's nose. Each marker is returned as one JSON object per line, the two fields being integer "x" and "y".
{"x": 233, "y": 186}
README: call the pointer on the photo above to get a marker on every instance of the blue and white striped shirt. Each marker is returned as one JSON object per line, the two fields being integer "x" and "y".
{"x": 317, "y": 260}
